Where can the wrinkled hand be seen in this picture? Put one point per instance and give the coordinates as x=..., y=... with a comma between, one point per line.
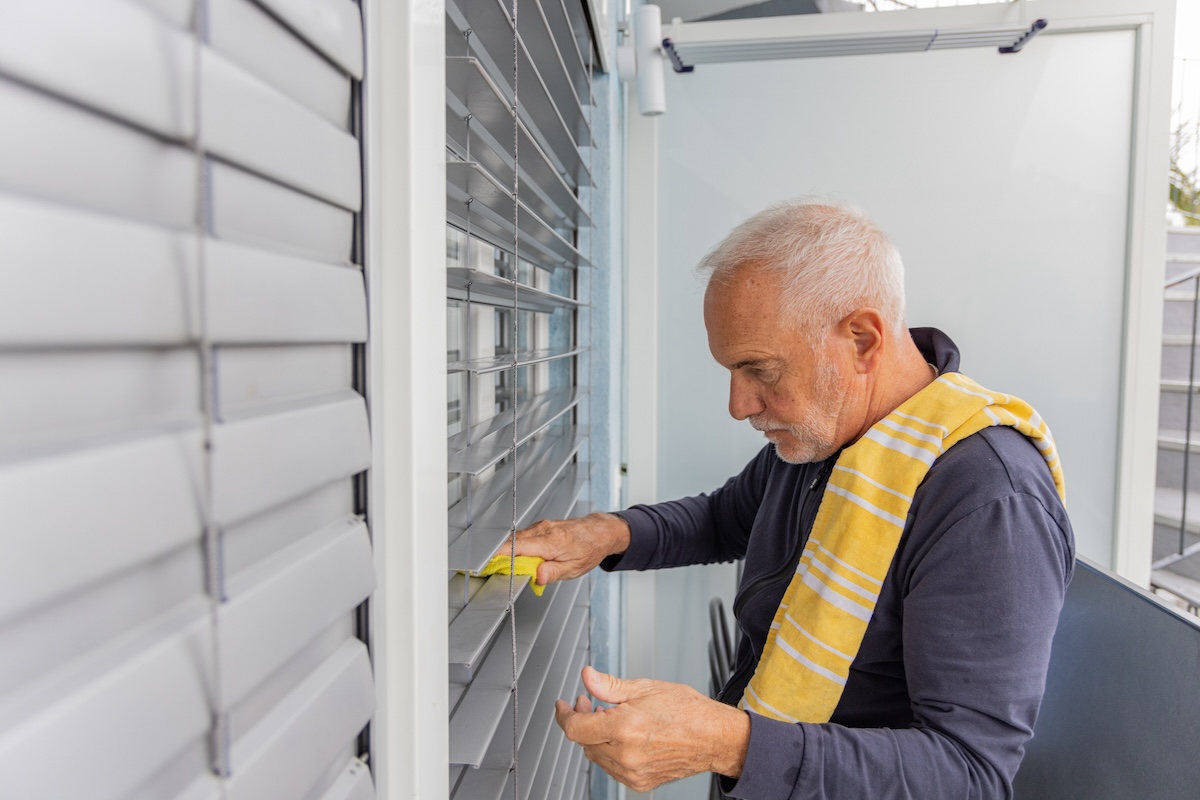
x=655, y=732
x=571, y=547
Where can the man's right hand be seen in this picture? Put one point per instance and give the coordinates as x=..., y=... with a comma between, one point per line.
x=571, y=547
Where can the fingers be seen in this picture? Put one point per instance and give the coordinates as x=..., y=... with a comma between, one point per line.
x=583, y=705
x=609, y=688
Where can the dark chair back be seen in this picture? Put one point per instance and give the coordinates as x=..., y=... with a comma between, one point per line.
x=1121, y=714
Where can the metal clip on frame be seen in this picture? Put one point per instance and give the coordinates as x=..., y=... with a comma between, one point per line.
x=676, y=62
x=1037, y=27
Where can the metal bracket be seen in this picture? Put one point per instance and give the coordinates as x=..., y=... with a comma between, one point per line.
x=676, y=62
x=1033, y=31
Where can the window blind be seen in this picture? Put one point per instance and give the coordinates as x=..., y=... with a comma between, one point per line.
x=181, y=426
x=519, y=143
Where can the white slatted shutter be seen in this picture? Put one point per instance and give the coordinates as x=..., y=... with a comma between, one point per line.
x=518, y=380
x=181, y=428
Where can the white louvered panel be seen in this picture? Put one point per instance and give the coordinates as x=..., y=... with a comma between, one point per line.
x=283, y=602
x=268, y=458
x=248, y=542
x=334, y=27
x=289, y=749
x=249, y=209
x=112, y=55
x=479, y=712
x=354, y=783
x=49, y=399
x=247, y=35
x=130, y=503
x=155, y=684
x=250, y=377
x=177, y=12
x=78, y=276
x=78, y=158
x=256, y=296
x=249, y=123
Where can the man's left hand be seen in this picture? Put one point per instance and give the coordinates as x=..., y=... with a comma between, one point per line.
x=655, y=731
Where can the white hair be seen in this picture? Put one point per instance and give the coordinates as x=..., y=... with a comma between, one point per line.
x=831, y=257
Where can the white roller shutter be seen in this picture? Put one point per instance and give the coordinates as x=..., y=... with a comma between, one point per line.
x=182, y=433
x=518, y=382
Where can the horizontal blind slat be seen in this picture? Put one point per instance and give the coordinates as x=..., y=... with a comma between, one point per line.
x=130, y=502
x=111, y=55
x=271, y=457
x=248, y=122
x=78, y=277
x=489, y=139
x=156, y=687
x=480, y=710
x=255, y=211
x=483, y=532
x=489, y=443
x=258, y=296
x=492, y=210
x=246, y=34
x=283, y=602
x=540, y=684
x=492, y=43
x=494, y=290
x=58, y=398
x=474, y=628
x=487, y=364
x=334, y=27
x=256, y=377
x=354, y=783
x=79, y=158
x=288, y=750
x=542, y=726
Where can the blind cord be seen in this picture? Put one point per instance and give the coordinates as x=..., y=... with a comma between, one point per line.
x=468, y=412
x=512, y=608
x=213, y=562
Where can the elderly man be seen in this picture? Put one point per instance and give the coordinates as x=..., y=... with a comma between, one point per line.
x=905, y=542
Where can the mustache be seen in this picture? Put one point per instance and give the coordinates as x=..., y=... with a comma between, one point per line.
x=765, y=425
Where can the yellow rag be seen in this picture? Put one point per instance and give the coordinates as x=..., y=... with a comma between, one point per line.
x=524, y=565
x=824, y=614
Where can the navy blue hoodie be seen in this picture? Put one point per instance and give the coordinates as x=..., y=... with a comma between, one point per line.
x=944, y=691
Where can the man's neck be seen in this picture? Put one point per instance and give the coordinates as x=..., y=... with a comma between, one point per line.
x=903, y=373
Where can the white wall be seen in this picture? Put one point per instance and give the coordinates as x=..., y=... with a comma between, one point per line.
x=1002, y=179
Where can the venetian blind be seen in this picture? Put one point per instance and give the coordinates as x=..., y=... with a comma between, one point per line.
x=519, y=143
x=181, y=431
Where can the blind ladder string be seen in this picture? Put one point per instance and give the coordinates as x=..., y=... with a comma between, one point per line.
x=591, y=293
x=468, y=412
x=213, y=562
x=512, y=555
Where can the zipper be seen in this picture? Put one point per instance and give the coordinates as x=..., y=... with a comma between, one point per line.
x=789, y=565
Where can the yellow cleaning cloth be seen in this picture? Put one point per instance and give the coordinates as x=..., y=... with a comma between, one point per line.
x=524, y=565
x=825, y=612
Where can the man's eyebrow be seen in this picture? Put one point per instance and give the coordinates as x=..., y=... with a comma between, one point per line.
x=753, y=362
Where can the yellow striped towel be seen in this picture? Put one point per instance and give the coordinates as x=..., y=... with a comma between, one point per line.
x=823, y=617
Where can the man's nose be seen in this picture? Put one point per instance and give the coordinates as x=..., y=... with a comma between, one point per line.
x=744, y=399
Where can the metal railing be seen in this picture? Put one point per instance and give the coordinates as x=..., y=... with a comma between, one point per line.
x=1184, y=550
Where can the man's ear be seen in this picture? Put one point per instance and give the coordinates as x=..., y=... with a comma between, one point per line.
x=864, y=327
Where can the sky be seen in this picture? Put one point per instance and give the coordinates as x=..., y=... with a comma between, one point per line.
x=1185, y=89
